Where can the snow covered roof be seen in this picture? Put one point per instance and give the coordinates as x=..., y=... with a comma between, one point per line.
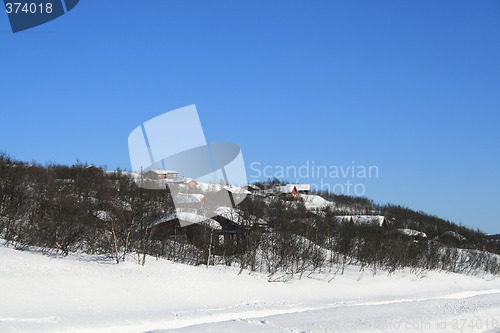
x=344, y=218
x=235, y=215
x=163, y=172
x=363, y=219
x=369, y=219
x=193, y=218
x=187, y=218
x=288, y=188
x=209, y=187
x=253, y=187
x=313, y=201
x=236, y=189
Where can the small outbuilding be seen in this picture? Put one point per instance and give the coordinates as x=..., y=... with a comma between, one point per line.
x=254, y=189
x=157, y=174
x=292, y=189
x=190, y=182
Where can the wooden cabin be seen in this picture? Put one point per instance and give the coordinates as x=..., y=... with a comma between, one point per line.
x=292, y=189
x=157, y=174
x=253, y=189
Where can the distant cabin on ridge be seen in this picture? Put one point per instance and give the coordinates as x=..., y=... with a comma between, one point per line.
x=253, y=189
x=190, y=182
x=157, y=174
x=291, y=189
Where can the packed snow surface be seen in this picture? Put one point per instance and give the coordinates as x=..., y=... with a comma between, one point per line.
x=89, y=293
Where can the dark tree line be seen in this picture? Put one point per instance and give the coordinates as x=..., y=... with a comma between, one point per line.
x=74, y=208
x=83, y=208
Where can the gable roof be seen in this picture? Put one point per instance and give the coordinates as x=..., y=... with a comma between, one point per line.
x=236, y=216
x=187, y=218
x=162, y=172
x=369, y=219
x=378, y=220
x=235, y=189
x=252, y=187
x=344, y=218
x=288, y=188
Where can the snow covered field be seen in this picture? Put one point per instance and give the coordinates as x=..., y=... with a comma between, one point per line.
x=82, y=293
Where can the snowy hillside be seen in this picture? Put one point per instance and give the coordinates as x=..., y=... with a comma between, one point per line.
x=278, y=263
x=85, y=293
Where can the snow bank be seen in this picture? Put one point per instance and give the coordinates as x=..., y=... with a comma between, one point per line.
x=192, y=218
x=236, y=189
x=84, y=293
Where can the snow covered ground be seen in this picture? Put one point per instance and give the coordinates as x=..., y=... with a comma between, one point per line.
x=82, y=293
x=313, y=201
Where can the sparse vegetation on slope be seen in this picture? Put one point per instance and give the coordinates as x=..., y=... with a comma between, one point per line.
x=82, y=208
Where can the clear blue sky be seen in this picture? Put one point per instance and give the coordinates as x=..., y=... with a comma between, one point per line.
x=412, y=87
